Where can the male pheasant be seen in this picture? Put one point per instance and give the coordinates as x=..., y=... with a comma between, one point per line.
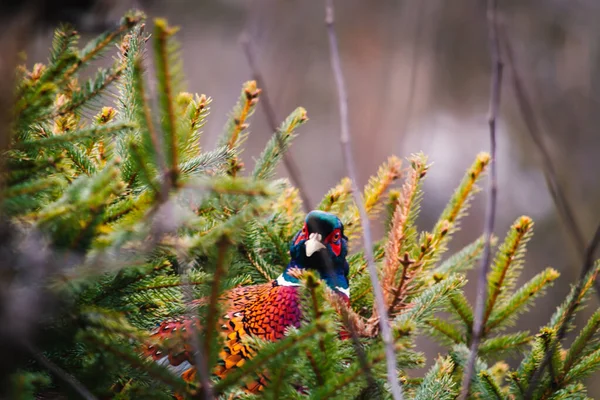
x=264, y=310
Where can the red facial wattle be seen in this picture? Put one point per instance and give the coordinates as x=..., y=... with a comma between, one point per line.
x=303, y=235
x=335, y=241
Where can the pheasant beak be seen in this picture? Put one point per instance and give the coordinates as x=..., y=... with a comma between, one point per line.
x=313, y=244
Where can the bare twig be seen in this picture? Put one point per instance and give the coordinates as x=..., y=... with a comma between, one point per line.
x=77, y=386
x=288, y=160
x=573, y=303
x=496, y=84
x=386, y=333
x=529, y=117
x=565, y=210
x=414, y=70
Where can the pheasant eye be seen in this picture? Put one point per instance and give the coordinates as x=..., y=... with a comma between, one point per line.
x=303, y=235
x=336, y=236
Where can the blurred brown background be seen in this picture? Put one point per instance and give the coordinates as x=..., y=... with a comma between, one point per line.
x=418, y=78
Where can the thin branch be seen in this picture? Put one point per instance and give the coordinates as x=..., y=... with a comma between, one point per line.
x=482, y=284
x=574, y=302
x=565, y=210
x=529, y=117
x=147, y=115
x=386, y=333
x=77, y=386
x=414, y=70
x=288, y=160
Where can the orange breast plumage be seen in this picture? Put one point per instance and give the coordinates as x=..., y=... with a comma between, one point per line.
x=264, y=311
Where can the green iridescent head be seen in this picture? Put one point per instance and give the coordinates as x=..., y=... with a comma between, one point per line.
x=321, y=245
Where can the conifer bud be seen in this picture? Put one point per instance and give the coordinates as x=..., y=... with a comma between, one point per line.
x=106, y=115
x=36, y=72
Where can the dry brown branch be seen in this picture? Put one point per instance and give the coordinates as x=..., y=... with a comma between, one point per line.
x=397, y=291
x=386, y=333
x=482, y=284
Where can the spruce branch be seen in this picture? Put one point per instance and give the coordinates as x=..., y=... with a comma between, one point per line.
x=373, y=191
x=432, y=299
x=31, y=187
x=446, y=331
x=584, y=342
x=268, y=353
x=83, y=163
x=490, y=388
x=402, y=220
x=505, y=269
x=155, y=370
x=482, y=284
x=584, y=367
x=192, y=111
x=278, y=145
x=354, y=372
x=354, y=324
x=587, y=278
x=165, y=65
x=144, y=116
x=144, y=174
x=81, y=135
x=201, y=353
x=234, y=132
x=211, y=315
x=77, y=386
x=269, y=110
x=386, y=334
x=65, y=39
x=516, y=303
x=95, y=47
x=94, y=88
x=460, y=200
x=438, y=383
x=337, y=197
x=209, y=162
x=435, y=244
x=462, y=260
x=463, y=309
x=505, y=343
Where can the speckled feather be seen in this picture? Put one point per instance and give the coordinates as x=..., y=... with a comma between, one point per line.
x=264, y=311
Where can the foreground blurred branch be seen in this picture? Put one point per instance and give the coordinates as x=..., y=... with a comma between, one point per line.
x=200, y=354
x=77, y=386
x=386, y=333
x=288, y=160
x=482, y=284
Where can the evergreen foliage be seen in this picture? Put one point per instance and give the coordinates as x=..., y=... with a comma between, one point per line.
x=151, y=226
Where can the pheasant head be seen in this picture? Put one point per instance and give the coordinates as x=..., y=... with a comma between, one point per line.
x=321, y=246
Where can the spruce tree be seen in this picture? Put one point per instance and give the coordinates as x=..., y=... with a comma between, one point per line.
x=133, y=222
